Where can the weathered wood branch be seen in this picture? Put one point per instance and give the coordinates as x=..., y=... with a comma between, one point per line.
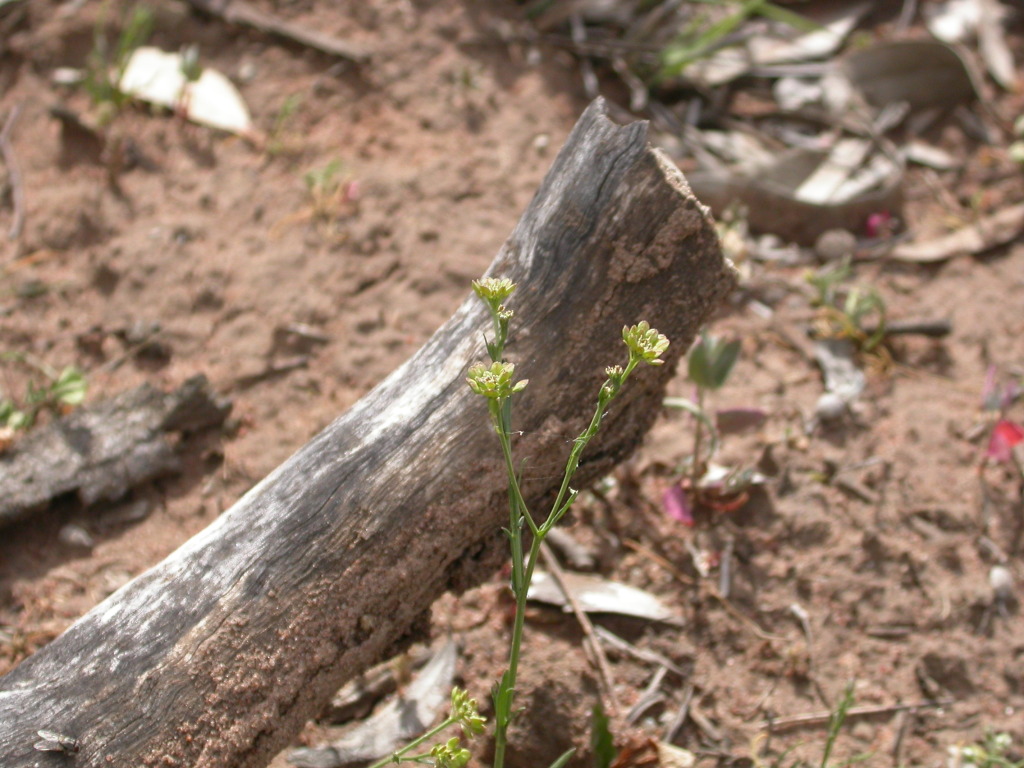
x=100, y=452
x=218, y=655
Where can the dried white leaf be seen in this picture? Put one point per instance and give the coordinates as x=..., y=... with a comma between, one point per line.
x=598, y=595
x=158, y=77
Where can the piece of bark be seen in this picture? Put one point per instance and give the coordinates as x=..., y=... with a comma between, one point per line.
x=100, y=452
x=217, y=656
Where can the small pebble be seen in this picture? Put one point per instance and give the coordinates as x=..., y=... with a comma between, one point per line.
x=835, y=244
x=830, y=407
x=1002, y=582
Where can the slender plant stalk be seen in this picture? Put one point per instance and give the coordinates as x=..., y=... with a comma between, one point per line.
x=697, y=470
x=495, y=382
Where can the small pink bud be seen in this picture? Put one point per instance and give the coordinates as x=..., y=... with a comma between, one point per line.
x=879, y=224
x=677, y=505
x=1005, y=435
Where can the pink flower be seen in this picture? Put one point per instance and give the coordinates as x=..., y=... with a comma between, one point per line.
x=1005, y=435
x=677, y=505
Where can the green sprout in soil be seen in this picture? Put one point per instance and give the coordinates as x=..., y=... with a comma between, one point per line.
x=496, y=382
x=277, y=140
x=328, y=192
x=106, y=62
x=63, y=391
x=332, y=196
x=836, y=721
x=835, y=725
x=709, y=365
x=992, y=752
x=602, y=744
x=856, y=313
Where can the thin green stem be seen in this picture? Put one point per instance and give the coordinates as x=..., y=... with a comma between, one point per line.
x=697, y=466
x=579, y=445
x=517, y=509
x=522, y=582
x=397, y=757
x=645, y=344
x=513, y=482
x=515, y=645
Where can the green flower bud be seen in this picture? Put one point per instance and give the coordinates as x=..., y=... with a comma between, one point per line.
x=494, y=382
x=493, y=290
x=464, y=710
x=449, y=754
x=645, y=343
x=610, y=388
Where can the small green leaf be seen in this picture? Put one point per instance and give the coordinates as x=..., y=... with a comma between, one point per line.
x=711, y=361
x=601, y=742
x=11, y=417
x=19, y=420
x=563, y=758
x=724, y=361
x=70, y=387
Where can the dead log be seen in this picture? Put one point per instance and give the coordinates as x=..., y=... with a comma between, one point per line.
x=100, y=452
x=218, y=655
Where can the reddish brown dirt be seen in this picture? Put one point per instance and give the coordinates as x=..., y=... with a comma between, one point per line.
x=214, y=242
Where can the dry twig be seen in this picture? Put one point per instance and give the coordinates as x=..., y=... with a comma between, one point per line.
x=820, y=718
x=673, y=728
x=651, y=657
x=13, y=174
x=591, y=642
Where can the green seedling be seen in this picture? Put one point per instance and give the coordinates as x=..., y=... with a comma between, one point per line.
x=857, y=313
x=332, y=196
x=327, y=191
x=835, y=725
x=497, y=384
x=992, y=752
x=276, y=141
x=106, y=62
x=191, y=69
x=709, y=365
x=64, y=391
x=836, y=721
x=602, y=745
x=703, y=36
